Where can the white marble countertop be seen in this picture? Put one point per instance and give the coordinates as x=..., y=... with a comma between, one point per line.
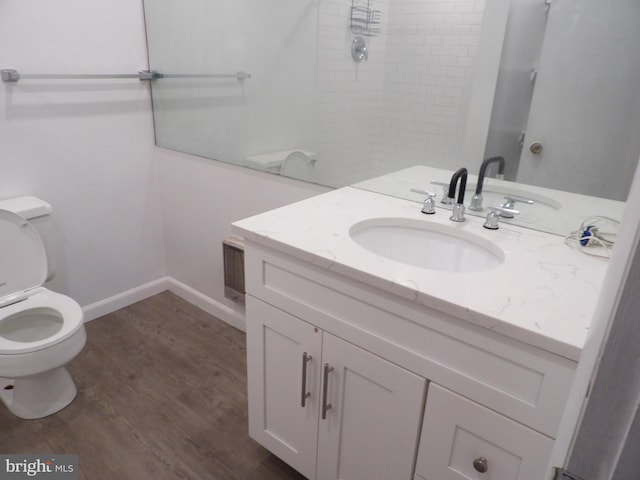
x=543, y=294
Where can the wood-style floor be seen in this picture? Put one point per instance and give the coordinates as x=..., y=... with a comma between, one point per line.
x=161, y=395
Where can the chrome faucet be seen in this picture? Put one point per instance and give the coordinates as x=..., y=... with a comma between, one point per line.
x=509, y=203
x=445, y=191
x=428, y=206
x=476, y=200
x=458, y=209
x=491, y=223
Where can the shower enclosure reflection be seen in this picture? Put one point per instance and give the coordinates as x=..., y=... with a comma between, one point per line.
x=423, y=96
x=407, y=103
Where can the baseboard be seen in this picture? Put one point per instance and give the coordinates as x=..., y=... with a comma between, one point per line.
x=103, y=307
x=232, y=317
x=121, y=300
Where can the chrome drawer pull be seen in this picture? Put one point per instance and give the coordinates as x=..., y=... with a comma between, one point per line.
x=303, y=398
x=325, y=407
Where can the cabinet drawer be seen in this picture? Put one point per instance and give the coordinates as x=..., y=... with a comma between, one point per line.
x=523, y=382
x=459, y=435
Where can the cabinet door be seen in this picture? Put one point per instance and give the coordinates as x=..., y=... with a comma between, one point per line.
x=276, y=343
x=462, y=440
x=371, y=430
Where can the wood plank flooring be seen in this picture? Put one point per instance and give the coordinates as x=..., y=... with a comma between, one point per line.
x=161, y=395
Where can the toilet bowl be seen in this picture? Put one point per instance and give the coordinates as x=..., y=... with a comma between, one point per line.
x=40, y=330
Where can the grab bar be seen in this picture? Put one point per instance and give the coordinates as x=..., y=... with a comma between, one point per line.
x=11, y=75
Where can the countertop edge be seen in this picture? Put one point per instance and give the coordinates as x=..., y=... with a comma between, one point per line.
x=538, y=340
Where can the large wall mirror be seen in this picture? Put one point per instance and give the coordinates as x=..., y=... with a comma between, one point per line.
x=336, y=92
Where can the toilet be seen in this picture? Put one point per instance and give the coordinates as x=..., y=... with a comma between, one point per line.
x=40, y=330
x=297, y=164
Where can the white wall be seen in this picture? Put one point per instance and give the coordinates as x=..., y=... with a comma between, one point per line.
x=84, y=146
x=88, y=148
x=229, y=119
x=431, y=65
x=592, y=99
x=409, y=102
x=348, y=105
x=201, y=198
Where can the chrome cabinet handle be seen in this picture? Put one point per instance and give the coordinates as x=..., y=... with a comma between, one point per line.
x=481, y=465
x=303, y=398
x=325, y=407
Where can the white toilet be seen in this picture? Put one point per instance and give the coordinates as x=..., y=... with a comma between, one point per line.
x=40, y=330
x=300, y=165
x=297, y=164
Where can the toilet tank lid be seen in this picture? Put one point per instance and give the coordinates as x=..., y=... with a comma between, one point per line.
x=27, y=206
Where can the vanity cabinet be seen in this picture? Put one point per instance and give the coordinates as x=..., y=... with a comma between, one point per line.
x=328, y=408
x=462, y=440
x=488, y=396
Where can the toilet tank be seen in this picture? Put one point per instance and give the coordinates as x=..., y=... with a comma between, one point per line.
x=38, y=213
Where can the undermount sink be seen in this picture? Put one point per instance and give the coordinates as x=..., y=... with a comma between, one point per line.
x=427, y=245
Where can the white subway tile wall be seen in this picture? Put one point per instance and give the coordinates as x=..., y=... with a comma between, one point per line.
x=409, y=101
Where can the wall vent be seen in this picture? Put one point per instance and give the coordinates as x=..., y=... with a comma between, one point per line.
x=233, y=255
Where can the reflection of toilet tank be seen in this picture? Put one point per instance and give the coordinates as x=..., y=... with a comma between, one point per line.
x=289, y=163
x=38, y=213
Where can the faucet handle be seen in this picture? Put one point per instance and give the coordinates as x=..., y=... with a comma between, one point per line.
x=445, y=192
x=510, y=201
x=491, y=222
x=518, y=198
x=424, y=192
x=428, y=206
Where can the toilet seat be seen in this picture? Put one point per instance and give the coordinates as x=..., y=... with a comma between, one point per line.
x=23, y=269
x=46, y=302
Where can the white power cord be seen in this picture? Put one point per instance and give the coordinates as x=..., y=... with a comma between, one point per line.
x=590, y=238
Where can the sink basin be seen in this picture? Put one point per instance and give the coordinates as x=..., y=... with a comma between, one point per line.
x=427, y=245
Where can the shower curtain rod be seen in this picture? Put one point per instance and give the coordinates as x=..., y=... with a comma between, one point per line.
x=10, y=75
